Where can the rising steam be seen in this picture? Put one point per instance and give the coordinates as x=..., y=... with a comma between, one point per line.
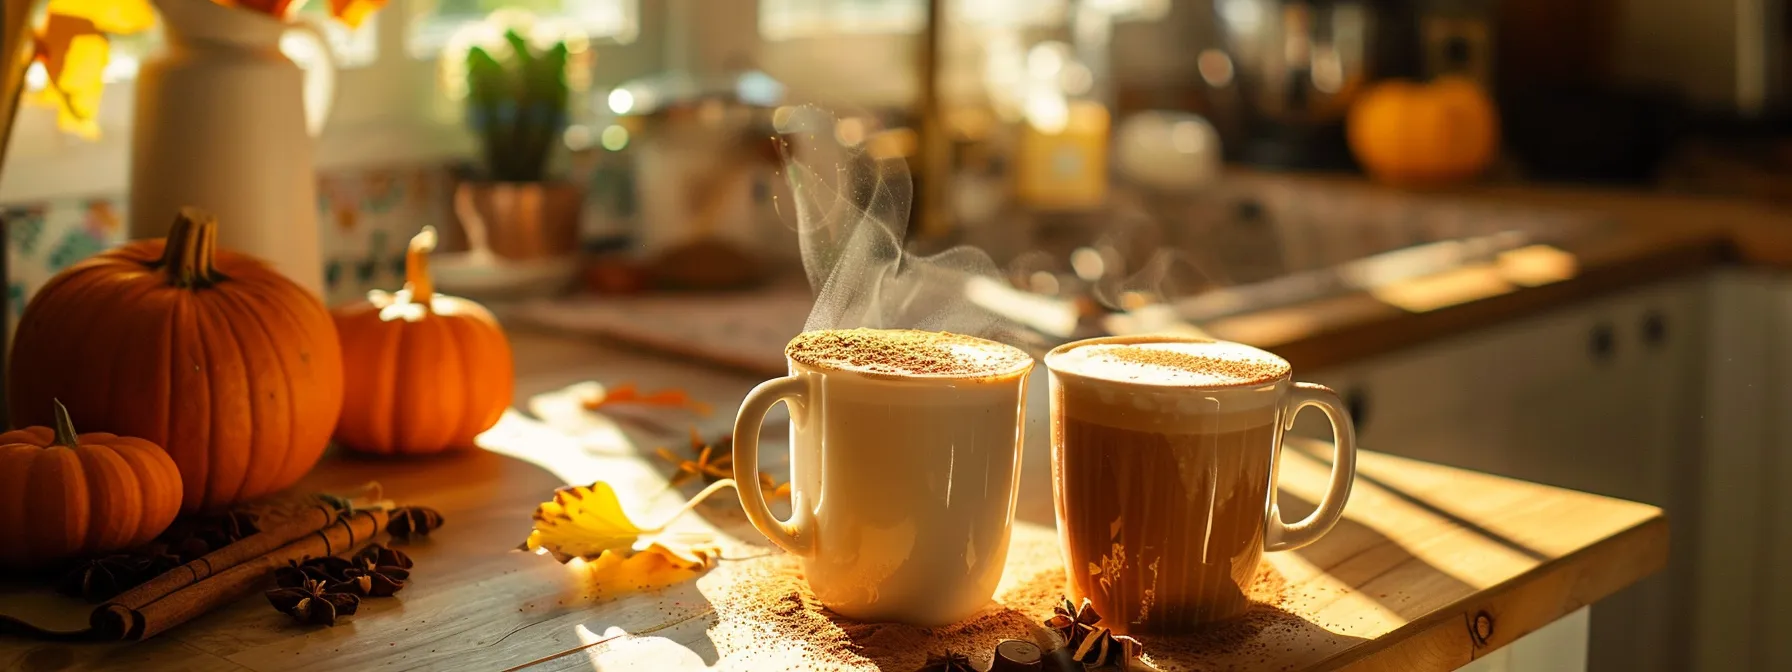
x=851, y=203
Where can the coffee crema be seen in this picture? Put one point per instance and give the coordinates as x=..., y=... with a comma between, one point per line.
x=1172, y=363
x=906, y=352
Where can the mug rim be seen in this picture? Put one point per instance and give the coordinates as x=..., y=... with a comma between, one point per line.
x=910, y=379
x=1029, y=362
x=1140, y=339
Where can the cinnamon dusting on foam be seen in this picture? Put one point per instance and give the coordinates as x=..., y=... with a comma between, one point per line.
x=1206, y=364
x=906, y=352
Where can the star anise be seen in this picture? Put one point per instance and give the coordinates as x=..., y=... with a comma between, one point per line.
x=311, y=604
x=192, y=538
x=1073, y=621
x=99, y=579
x=1101, y=646
x=378, y=556
x=296, y=574
x=949, y=662
x=370, y=583
x=713, y=460
x=406, y=522
x=376, y=571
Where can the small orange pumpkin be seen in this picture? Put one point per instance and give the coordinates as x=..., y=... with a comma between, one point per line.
x=64, y=494
x=426, y=372
x=214, y=355
x=1424, y=134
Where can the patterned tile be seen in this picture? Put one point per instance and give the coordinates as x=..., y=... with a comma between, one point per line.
x=362, y=210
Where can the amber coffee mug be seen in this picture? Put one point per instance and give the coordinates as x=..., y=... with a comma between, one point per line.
x=1164, y=455
x=905, y=454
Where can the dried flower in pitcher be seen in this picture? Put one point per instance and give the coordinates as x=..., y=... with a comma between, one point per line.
x=407, y=522
x=312, y=605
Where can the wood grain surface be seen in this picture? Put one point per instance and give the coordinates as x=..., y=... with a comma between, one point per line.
x=1424, y=552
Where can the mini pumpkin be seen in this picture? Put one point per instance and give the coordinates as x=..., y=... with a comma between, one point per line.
x=214, y=355
x=1431, y=134
x=65, y=495
x=426, y=372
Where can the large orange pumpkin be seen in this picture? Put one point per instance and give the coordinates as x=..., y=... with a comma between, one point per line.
x=426, y=372
x=64, y=495
x=1424, y=134
x=213, y=355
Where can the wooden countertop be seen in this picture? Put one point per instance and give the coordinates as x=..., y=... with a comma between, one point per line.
x=1646, y=237
x=1424, y=551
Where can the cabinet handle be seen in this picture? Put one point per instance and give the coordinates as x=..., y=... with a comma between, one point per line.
x=1655, y=328
x=1602, y=343
x=1356, y=402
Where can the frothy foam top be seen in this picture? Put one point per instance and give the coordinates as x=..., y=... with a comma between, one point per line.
x=1173, y=363
x=906, y=352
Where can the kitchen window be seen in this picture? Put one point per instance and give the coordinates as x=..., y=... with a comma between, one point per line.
x=389, y=108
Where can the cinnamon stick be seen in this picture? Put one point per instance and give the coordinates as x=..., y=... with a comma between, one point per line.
x=121, y=620
x=274, y=533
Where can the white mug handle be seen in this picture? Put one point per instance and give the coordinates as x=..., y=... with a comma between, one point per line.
x=796, y=535
x=1281, y=536
x=320, y=78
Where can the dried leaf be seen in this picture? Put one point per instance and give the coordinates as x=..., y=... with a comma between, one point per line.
x=627, y=394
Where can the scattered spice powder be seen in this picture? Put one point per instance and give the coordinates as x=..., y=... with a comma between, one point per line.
x=767, y=616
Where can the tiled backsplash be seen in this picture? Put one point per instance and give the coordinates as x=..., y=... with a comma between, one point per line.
x=367, y=214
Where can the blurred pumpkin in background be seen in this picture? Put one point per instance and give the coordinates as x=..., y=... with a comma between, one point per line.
x=1435, y=134
x=66, y=495
x=426, y=372
x=228, y=365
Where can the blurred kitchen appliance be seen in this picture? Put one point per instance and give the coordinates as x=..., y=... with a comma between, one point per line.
x=1285, y=75
x=1456, y=38
x=703, y=150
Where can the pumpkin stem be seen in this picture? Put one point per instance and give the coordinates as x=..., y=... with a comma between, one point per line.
x=416, y=267
x=188, y=252
x=65, y=428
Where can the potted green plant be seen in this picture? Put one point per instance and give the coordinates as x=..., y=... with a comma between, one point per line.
x=516, y=104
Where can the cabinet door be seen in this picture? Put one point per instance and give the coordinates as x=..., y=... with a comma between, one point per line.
x=1600, y=397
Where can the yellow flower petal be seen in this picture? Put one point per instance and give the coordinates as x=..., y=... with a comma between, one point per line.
x=118, y=17
x=353, y=12
x=74, y=55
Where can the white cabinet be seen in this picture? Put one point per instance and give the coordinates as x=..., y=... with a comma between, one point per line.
x=1602, y=396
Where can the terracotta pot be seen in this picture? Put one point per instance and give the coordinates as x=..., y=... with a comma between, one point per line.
x=517, y=221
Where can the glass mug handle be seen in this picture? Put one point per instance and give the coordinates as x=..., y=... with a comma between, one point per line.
x=795, y=535
x=1281, y=536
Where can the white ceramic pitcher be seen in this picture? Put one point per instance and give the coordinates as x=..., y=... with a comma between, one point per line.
x=224, y=121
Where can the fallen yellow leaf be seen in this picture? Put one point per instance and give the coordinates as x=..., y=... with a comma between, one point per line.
x=585, y=522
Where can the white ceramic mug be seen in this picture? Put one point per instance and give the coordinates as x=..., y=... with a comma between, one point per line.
x=902, y=486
